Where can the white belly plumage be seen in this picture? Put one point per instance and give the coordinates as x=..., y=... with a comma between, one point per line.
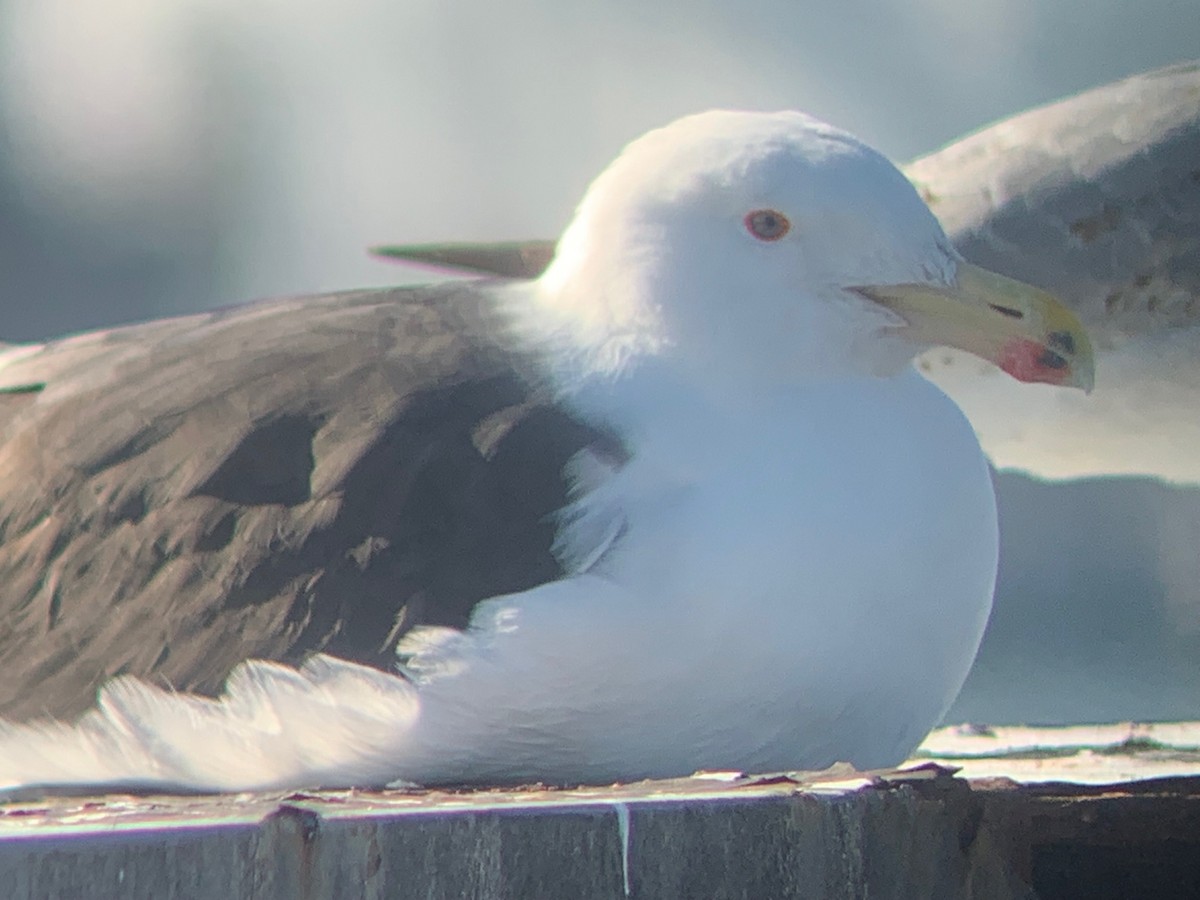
x=752, y=617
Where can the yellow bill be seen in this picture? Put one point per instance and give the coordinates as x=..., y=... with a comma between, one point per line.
x=1024, y=330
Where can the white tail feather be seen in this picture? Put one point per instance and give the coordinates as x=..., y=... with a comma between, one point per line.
x=330, y=723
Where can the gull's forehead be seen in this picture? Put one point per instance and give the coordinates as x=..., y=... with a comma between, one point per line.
x=788, y=155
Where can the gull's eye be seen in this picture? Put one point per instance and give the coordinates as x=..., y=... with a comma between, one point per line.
x=767, y=224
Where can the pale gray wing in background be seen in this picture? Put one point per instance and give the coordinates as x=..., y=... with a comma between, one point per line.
x=1096, y=198
x=1097, y=613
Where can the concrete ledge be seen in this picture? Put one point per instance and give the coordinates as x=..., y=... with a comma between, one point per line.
x=898, y=836
x=919, y=834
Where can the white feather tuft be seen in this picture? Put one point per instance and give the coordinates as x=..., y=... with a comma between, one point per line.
x=328, y=723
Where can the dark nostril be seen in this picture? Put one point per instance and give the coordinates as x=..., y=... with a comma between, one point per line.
x=1007, y=311
x=1063, y=340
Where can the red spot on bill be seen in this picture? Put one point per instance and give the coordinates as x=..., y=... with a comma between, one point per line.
x=1030, y=361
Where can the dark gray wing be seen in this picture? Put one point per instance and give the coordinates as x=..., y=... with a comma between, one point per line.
x=317, y=474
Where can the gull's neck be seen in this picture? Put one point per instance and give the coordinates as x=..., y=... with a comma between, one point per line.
x=613, y=356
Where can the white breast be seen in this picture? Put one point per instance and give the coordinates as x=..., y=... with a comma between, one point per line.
x=753, y=615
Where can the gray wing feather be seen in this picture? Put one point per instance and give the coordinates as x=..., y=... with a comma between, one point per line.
x=317, y=474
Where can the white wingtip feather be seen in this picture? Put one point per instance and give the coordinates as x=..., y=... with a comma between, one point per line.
x=330, y=723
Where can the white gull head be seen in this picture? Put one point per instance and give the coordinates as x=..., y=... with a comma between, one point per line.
x=663, y=255
x=664, y=258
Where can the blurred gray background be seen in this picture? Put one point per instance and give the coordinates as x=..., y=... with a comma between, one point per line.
x=162, y=157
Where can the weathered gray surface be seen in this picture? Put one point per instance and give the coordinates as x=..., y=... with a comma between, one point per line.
x=267, y=482
x=921, y=838
x=892, y=836
x=919, y=835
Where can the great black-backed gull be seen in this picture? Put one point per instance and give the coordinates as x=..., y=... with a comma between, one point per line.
x=682, y=502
